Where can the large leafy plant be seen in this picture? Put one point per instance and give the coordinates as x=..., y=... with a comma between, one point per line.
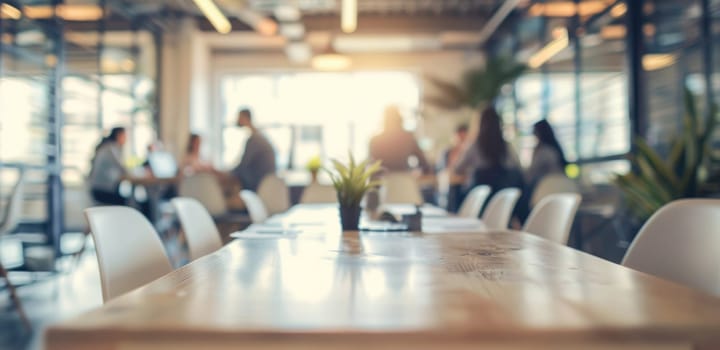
x=353, y=180
x=479, y=87
x=656, y=180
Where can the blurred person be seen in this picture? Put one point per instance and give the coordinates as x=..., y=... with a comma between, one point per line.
x=107, y=169
x=452, y=154
x=192, y=162
x=395, y=146
x=548, y=156
x=490, y=160
x=258, y=160
x=449, y=186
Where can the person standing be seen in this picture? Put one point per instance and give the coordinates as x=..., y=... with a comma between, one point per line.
x=452, y=154
x=258, y=160
x=395, y=146
x=548, y=156
x=490, y=160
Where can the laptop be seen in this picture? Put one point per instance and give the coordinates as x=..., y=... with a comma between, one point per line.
x=162, y=164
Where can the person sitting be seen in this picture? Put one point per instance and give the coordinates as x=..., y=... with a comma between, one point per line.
x=107, y=169
x=192, y=161
x=490, y=160
x=395, y=146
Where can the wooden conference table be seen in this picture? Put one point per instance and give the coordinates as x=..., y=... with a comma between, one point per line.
x=321, y=289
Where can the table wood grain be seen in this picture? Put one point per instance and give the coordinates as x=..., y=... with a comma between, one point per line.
x=324, y=289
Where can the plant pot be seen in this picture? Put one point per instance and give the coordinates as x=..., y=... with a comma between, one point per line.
x=349, y=217
x=313, y=176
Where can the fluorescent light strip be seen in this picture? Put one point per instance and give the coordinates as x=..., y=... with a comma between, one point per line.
x=550, y=50
x=9, y=11
x=653, y=62
x=349, y=16
x=214, y=15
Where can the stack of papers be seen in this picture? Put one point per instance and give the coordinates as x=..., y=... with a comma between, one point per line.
x=265, y=231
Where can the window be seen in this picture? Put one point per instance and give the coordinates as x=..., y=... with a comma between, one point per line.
x=313, y=114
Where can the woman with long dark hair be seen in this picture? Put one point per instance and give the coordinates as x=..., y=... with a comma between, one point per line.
x=490, y=160
x=107, y=169
x=548, y=156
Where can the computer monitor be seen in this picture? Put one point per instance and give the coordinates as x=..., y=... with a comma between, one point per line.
x=162, y=164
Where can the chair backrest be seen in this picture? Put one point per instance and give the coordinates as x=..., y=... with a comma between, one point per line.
x=473, y=203
x=129, y=251
x=499, y=210
x=400, y=188
x=14, y=206
x=206, y=189
x=681, y=243
x=553, y=216
x=255, y=206
x=552, y=184
x=318, y=194
x=275, y=195
x=200, y=231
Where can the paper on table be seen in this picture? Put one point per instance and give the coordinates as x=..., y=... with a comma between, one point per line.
x=256, y=235
x=262, y=231
x=452, y=224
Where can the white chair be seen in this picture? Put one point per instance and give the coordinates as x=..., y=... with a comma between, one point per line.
x=552, y=184
x=473, y=203
x=12, y=214
x=400, y=188
x=318, y=194
x=205, y=188
x=553, y=216
x=129, y=251
x=255, y=207
x=200, y=231
x=681, y=243
x=499, y=210
x=274, y=193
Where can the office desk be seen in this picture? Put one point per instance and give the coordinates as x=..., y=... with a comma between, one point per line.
x=327, y=290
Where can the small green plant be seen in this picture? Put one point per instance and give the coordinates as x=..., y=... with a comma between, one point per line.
x=656, y=180
x=353, y=180
x=314, y=164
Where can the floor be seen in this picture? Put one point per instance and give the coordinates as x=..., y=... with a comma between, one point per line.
x=49, y=298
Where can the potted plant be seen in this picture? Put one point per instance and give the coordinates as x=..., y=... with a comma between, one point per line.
x=656, y=180
x=313, y=166
x=479, y=88
x=351, y=182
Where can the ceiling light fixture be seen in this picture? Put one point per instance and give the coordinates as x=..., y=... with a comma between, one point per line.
x=68, y=12
x=618, y=10
x=331, y=60
x=567, y=8
x=9, y=11
x=613, y=32
x=349, y=16
x=214, y=15
x=550, y=50
x=656, y=61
